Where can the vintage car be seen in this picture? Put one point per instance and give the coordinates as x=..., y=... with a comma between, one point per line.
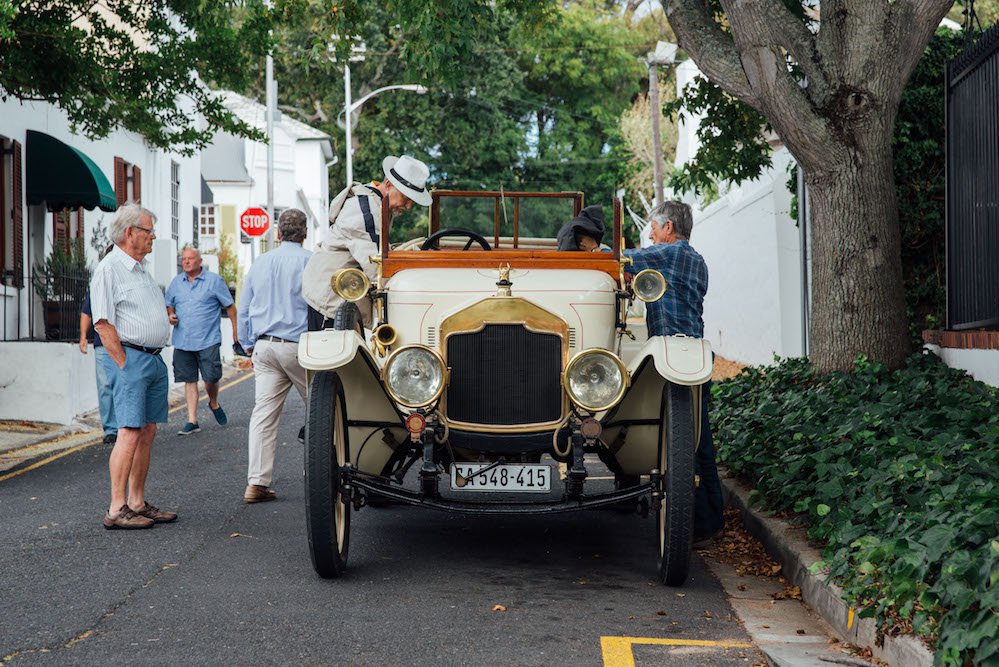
x=495, y=368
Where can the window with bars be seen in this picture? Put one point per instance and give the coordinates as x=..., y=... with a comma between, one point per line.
x=208, y=216
x=175, y=201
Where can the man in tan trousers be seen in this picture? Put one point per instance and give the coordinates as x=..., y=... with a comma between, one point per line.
x=272, y=316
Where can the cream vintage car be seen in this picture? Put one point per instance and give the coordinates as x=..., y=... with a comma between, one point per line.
x=495, y=359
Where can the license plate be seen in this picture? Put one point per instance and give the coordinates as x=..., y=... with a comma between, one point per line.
x=509, y=477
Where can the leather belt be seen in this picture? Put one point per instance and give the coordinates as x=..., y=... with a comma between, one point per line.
x=275, y=339
x=141, y=348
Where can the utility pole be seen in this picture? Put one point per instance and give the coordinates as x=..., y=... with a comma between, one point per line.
x=346, y=127
x=665, y=54
x=271, y=94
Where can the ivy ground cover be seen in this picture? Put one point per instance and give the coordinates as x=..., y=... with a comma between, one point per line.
x=894, y=474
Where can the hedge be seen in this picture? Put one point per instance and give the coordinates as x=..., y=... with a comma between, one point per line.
x=894, y=474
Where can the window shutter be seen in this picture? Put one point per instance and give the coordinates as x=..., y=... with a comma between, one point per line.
x=17, y=217
x=137, y=185
x=120, y=181
x=60, y=228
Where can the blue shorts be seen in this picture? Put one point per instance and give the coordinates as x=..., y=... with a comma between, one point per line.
x=139, y=390
x=186, y=365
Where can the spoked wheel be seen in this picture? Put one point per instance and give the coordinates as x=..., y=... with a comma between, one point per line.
x=327, y=516
x=675, y=518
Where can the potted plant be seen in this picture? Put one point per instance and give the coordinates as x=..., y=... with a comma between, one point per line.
x=61, y=281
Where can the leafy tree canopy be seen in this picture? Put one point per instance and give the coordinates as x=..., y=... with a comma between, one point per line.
x=140, y=65
x=523, y=105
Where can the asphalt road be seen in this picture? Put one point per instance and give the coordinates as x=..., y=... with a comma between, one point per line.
x=232, y=583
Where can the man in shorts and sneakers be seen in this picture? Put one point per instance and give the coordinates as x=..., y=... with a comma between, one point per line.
x=130, y=315
x=193, y=303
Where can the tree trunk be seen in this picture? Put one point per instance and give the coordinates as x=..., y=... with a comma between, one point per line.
x=859, y=300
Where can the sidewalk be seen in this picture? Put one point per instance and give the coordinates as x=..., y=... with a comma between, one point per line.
x=789, y=547
x=23, y=442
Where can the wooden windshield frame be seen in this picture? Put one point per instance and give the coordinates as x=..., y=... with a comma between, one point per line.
x=607, y=262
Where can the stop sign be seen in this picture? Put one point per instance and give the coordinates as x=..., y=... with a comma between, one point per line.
x=254, y=221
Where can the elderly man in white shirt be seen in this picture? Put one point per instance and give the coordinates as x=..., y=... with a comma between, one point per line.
x=130, y=315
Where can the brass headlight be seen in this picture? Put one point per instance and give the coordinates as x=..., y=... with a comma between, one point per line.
x=649, y=285
x=414, y=376
x=350, y=284
x=595, y=380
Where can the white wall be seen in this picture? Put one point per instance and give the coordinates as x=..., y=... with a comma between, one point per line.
x=753, y=308
x=983, y=365
x=46, y=382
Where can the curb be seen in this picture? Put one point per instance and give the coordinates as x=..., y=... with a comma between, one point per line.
x=788, y=545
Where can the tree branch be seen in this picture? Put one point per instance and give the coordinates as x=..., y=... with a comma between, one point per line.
x=709, y=47
x=775, y=25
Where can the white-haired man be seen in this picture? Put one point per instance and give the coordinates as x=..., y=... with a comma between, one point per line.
x=130, y=315
x=680, y=311
x=355, y=226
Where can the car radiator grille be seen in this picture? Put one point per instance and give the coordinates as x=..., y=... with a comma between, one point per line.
x=504, y=375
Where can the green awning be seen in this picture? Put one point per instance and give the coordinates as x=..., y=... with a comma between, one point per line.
x=60, y=176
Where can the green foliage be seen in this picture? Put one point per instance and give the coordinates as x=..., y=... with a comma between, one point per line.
x=919, y=165
x=129, y=64
x=733, y=147
x=522, y=106
x=228, y=260
x=64, y=275
x=894, y=472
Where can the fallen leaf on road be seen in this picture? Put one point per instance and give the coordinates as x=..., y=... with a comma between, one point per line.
x=800, y=632
x=582, y=582
x=239, y=535
x=661, y=612
x=681, y=595
x=707, y=614
x=498, y=607
x=741, y=587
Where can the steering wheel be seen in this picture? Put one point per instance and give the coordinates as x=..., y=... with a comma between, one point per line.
x=432, y=242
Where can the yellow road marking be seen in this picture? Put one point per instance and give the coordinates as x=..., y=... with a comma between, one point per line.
x=67, y=452
x=617, y=651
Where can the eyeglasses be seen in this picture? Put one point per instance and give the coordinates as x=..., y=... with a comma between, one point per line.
x=150, y=231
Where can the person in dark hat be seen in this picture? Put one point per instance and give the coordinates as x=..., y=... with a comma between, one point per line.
x=584, y=232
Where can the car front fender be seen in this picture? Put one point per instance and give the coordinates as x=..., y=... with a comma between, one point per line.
x=368, y=405
x=631, y=429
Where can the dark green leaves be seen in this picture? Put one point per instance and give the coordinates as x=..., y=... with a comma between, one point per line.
x=895, y=473
x=140, y=70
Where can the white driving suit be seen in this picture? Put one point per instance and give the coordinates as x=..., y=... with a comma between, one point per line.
x=352, y=238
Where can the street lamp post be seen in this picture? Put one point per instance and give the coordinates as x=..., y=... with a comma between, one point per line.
x=349, y=107
x=665, y=54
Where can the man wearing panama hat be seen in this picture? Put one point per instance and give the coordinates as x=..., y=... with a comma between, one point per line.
x=353, y=236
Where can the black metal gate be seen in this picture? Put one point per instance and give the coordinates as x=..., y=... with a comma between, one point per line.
x=973, y=185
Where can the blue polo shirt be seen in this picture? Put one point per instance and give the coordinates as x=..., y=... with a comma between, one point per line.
x=198, y=304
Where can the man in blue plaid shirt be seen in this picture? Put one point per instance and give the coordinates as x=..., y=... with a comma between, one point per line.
x=679, y=311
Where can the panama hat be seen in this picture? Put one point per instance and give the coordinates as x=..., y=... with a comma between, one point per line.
x=409, y=176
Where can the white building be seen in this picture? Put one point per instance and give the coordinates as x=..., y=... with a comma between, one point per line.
x=236, y=171
x=753, y=248
x=47, y=176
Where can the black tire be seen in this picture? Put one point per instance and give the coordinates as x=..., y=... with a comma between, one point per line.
x=347, y=317
x=675, y=518
x=327, y=516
